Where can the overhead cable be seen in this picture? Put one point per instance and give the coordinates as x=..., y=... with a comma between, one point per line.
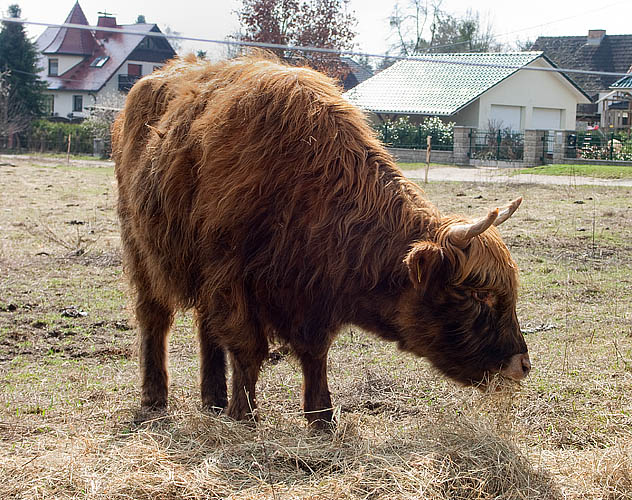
x=322, y=50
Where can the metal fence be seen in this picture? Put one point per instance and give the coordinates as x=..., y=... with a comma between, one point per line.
x=597, y=145
x=548, y=147
x=504, y=145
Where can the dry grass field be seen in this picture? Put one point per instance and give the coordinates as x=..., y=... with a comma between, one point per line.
x=69, y=396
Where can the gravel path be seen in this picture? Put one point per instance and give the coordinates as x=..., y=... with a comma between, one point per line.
x=505, y=176
x=443, y=173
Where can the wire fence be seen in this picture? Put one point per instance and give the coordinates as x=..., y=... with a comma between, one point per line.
x=74, y=143
x=504, y=145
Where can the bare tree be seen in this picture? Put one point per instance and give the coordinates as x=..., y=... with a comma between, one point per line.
x=14, y=118
x=410, y=24
x=422, y=26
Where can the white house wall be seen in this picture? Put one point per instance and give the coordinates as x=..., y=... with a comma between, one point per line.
x=468, y=116
x=108, y=96
x=63, y=100
x=64, y=62
x=548, y=91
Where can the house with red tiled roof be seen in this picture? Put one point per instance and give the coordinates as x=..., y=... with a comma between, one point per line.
x=88, y=68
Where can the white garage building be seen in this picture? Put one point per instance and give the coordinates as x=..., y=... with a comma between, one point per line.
x=474, y=90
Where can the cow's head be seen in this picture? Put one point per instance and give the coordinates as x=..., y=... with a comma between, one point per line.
x=460, y=312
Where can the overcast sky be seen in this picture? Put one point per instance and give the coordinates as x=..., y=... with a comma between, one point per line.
x=215, y=19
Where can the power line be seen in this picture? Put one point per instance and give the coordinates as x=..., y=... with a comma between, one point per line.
x=562, y=19
x=321, y=50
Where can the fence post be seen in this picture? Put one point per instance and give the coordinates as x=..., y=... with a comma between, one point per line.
x=428, y=150
x=533, y=147
x=498, y=141
x=461, y=147
x=611, y=144
x=559, y=146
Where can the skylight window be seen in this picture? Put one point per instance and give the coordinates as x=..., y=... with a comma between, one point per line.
x=99, y=62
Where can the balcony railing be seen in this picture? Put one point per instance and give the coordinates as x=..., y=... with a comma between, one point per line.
x=125, y=82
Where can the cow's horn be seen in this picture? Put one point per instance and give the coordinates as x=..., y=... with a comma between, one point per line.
x=508, y=211
x=460, y=233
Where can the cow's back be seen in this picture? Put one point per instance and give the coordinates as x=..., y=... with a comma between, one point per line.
x=251, y=175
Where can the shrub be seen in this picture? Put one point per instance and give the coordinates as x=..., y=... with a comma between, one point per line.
x=46, y=136
x=402, y=133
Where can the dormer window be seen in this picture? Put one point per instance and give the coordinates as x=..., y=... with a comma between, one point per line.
x=53, y=67
x=99, y=62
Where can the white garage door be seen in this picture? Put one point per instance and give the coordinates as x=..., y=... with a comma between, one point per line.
x=506, y=116
x=547, y=119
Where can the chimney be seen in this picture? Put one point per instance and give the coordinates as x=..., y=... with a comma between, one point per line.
x=595, y=37
x=106, y=21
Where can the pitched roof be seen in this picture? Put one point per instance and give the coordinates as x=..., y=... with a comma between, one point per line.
x=613, y=53
x=118, y=47
x=441, y=84
x=357, y=73
x=72, y=41
x=623, y=83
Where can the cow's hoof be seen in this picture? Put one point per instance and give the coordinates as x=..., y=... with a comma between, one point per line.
x=213, y=409
x=322, y=426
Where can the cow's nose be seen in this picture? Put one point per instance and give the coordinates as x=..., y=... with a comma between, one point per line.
x=518, y=367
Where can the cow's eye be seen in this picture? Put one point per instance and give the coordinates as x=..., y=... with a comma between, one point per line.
x=483, y=296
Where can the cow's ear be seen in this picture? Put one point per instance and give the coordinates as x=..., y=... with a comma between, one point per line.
x=423, y=260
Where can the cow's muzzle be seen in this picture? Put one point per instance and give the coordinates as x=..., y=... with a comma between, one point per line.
x=518, y=367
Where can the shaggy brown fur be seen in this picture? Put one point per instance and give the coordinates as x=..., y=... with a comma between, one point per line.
x=254, y=193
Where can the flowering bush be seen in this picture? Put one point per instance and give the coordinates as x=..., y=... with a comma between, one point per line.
x=404, y=134
x=618, y=148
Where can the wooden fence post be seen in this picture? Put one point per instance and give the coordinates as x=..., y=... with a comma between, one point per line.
x=428, y=149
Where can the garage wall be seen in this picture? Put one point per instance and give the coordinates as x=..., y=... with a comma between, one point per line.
x=547, y=118
x=546, y=100
x=504, y=116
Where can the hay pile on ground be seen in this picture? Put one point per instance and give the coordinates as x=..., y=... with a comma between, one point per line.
x=452, y=452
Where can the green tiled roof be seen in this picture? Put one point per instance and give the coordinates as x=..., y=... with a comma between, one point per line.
x=623, y=83
x=440, y=84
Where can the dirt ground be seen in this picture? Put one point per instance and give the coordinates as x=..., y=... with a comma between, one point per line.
x=69, y=398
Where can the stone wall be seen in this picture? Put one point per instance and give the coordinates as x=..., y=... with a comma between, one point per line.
x=534, y=152
x=419, y=156
x=533, y=148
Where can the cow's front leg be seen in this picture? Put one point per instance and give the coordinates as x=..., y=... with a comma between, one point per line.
x=316, y=397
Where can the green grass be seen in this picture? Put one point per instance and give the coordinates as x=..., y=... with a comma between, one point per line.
x=599, y=171
x=69, y=387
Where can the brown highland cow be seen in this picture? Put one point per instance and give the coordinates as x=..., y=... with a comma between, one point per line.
x=254, y=193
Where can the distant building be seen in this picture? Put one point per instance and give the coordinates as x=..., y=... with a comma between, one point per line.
x=87, y=68
x=616, y=106
x=474, y=90
x=596, y=51
x=354, y=73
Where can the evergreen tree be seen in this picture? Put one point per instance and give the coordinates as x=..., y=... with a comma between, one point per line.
x=18, y=61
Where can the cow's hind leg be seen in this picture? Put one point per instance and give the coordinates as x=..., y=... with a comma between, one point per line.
x=212, y=366
x=246, y=359
x=154, y=320
x=316, y=397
